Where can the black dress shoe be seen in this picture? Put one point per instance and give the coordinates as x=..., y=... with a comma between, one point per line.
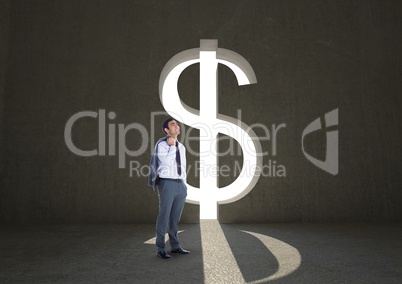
x=180, y=250
x=163, y=254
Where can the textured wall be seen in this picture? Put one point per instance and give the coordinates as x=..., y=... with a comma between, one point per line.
x=309, y=57
x=4, y=35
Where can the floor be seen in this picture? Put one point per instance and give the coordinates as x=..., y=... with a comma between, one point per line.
x=220, y=253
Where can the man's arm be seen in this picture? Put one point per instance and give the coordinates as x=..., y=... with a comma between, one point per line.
x=166, y=154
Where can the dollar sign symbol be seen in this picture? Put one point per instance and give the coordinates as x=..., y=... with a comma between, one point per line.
x=210, y=123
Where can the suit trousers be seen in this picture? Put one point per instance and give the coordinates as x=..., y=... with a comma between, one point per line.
x=172, y=196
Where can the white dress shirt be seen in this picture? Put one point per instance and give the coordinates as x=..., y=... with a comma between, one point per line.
x=167, y=161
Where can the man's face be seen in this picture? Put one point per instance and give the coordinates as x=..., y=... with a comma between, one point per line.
x=174, y=128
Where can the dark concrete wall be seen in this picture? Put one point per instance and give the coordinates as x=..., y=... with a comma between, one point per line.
x=310, y=57
x=4, y=36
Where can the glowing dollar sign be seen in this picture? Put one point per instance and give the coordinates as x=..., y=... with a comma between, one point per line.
x=210, y=123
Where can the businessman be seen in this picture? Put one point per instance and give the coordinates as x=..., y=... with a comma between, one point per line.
x=168, y=175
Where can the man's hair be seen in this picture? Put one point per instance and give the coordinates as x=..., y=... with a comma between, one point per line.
x=166, y=124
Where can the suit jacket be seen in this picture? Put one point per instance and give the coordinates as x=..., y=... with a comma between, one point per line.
x=154, y=164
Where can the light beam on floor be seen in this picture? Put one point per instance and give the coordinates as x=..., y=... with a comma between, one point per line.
x=220, y=265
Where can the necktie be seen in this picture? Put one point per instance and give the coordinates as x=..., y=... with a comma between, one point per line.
x=178, y=159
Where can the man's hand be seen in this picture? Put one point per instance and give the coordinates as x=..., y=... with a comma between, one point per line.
x=171, y=141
